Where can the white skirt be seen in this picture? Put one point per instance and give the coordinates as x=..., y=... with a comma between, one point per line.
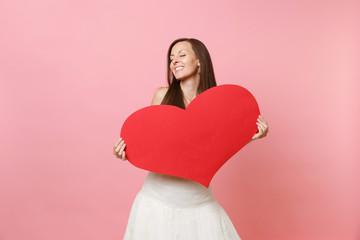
x=169, y=207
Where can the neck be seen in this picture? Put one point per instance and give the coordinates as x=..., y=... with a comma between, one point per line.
x=190, y=85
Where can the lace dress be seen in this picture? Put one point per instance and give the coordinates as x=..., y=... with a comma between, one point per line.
x=169, y=207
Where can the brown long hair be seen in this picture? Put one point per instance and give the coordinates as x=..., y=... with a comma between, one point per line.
x=174, y=95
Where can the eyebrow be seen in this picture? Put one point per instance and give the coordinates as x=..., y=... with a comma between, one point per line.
x=178, y=52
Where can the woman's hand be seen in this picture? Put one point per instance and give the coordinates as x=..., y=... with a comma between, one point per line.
x=119, y=149
x=263, y=128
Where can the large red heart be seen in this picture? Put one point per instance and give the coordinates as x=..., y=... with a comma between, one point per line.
x=193, y=143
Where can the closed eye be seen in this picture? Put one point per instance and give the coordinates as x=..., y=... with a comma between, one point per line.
x=180, y=56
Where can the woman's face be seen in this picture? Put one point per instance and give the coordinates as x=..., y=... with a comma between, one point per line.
x=183, y=61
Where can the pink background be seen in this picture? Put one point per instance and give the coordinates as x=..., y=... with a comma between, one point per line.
x=72, y=71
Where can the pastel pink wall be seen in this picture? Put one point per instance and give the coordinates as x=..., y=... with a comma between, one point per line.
x=72, y=71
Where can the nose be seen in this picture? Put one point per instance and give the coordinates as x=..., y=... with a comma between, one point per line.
x=175, y=60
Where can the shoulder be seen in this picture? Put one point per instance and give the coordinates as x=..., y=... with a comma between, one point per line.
x=159, y=95
x=162, y=91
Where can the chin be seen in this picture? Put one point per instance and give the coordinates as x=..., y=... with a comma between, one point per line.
x=178, y=78
x=181, y=77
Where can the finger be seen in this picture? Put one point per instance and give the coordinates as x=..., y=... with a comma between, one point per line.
x=118, y=141
x=266, y=127
x=120, y=145
x=257, y=134
x=114, y=152
x=262, y=120
x=116, y=148
x=261, y=130
x=262, y=127
x=123, y=156
x=122, y=149
x=265, y=123
x=267, y=131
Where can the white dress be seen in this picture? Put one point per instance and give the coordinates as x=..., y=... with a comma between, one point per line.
x=174, y=208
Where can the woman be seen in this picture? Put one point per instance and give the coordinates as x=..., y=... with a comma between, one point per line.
x=169, y=207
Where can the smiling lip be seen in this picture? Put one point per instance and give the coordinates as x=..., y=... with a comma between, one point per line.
x=179, y=69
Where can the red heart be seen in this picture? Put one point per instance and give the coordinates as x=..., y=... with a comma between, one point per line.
x=192, y=143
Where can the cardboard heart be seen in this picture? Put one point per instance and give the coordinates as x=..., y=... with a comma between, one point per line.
x=193, y=143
